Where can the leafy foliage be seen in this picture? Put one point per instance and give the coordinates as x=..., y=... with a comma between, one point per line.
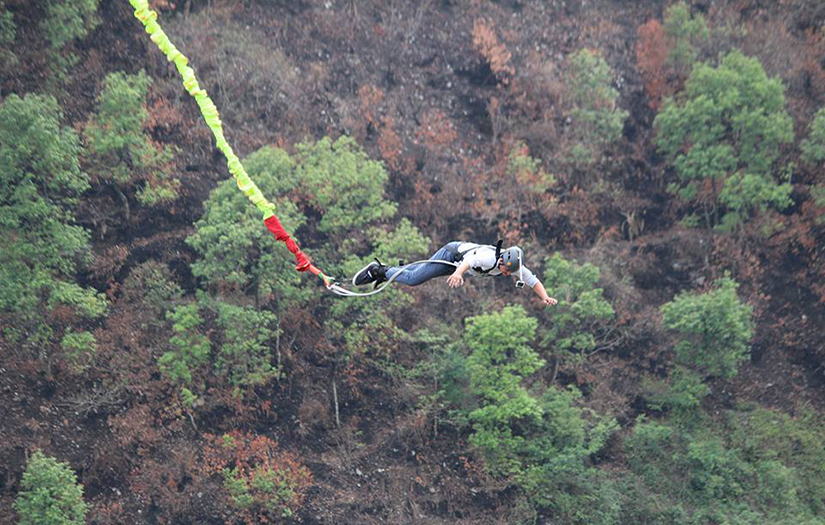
x=768, y=470
x=262, y=482
x=190, y=349
x=49, y=494
x=236, y=346
x=500, y=359
x=714, y=327
x=39, y=185
x=66, y=21
x=596, y=121
x=342, y=184
x=723, y=136
x=527, y=170
x=8, y=31
x=813, y=147
x=236, y=251
x=119, y=148
x=540, y=442
x=685, y=32
x=573, y=323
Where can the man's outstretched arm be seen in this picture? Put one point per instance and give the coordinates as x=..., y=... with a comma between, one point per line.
x=542, y=293
x=457, y=278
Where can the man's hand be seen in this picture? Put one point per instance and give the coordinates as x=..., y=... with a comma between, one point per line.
x=549, y=301
x=455, y=280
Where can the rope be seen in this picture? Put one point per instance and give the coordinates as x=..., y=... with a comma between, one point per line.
x=343, y=292
x=210, y=114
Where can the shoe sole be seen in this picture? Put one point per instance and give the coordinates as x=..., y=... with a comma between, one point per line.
x=359, y=272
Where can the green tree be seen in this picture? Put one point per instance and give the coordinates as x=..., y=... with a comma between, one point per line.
x=236, y=252
x=500, y=359
x=595, y=119
x=685, y=32
x=722, y=135
x=40, y=182
x=813, y=147
x=120, y=151
x=342, y=184
x=49, y=494
x=575, y=322
x=236, y=346
x=8, y=31
x=527, y=170
x=189, y=348
x=714, y=329
x=540, y=442
x=67, y=21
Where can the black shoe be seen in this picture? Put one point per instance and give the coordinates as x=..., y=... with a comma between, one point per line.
x=374, y=272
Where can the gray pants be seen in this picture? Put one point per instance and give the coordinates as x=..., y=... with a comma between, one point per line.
x=421, y=273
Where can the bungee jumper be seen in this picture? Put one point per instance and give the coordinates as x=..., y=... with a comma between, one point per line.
x=455, y=259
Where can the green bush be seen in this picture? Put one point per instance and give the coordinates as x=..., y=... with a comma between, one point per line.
x=67, y=21
x=236, y=251
x=596, y=121
x=813, y=147
x=49, y=494
x=574, y=323
x=40, y=183
x=752, y=466
x=527, y=170
x=686, y=32
x=342, y=184
x=500, y=359
x=236, y=348
x=541, y=443
x=8, y=32
x=714, y=329
x=723, y=136
x=120, y=151
x=189, y=348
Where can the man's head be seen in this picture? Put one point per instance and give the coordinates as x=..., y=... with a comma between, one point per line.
x=510, y=260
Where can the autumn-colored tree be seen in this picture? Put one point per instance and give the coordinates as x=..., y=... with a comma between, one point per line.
x=494, y=52
x=665, y=53
x=262, y=482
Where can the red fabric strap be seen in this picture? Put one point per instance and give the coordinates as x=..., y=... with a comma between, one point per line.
x=303, y=262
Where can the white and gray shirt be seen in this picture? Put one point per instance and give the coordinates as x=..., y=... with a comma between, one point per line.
x=484, y=256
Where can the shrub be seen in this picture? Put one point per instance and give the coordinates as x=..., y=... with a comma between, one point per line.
x=343, y=184
x=49, y=494
x=684, y=32
x=66, y=21
x=574, y=323
x=813, y=147
x=189, y=348
x=120, y=151
x=540, y=443
x=595, y=120
x=528, y=171
x=723, y=135
x=239, y=337
x=262, y=482
x=42, y=249
x=714, y=329
x=236, y=252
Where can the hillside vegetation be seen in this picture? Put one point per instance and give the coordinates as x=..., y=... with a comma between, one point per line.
x=661, y=163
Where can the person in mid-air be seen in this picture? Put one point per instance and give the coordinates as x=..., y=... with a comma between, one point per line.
x=462, y=257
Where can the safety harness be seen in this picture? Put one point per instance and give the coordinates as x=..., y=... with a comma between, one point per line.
x=459, y=256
